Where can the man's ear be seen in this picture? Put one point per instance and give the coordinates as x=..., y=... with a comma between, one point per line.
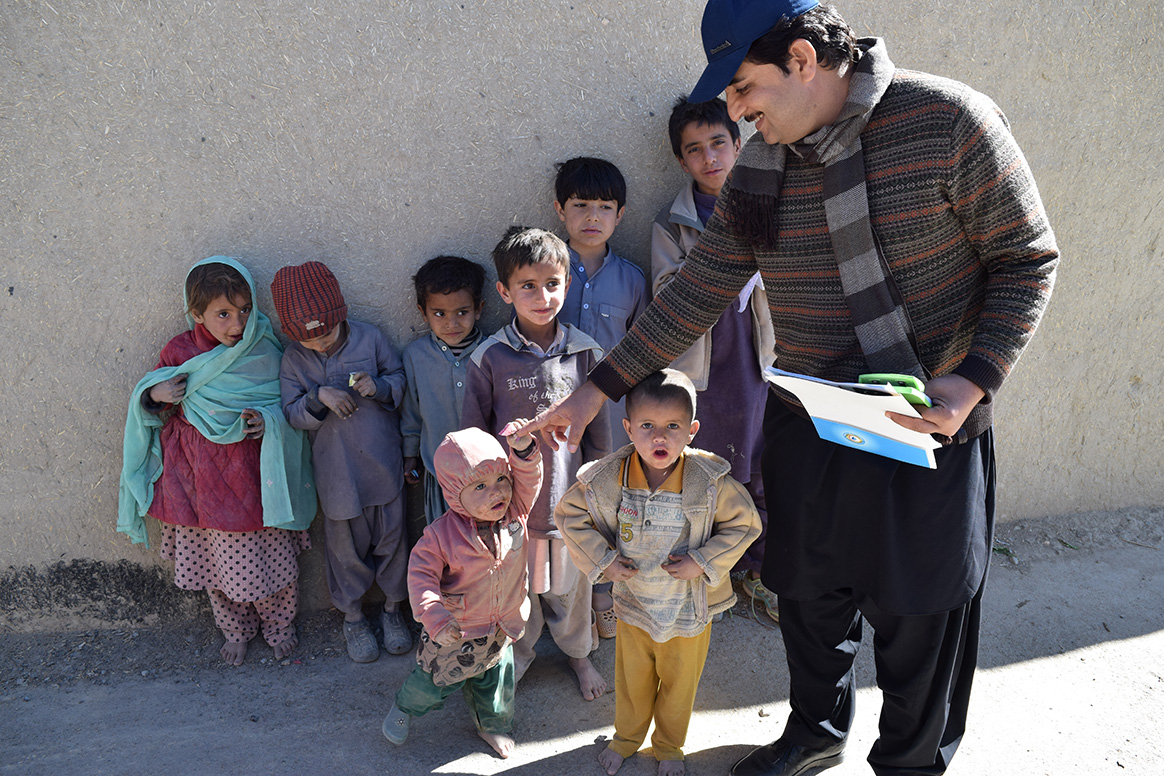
x=802, y=60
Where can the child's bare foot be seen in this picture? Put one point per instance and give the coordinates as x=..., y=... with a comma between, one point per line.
x=233, y=652
x=610, y=761
x=501, y=743
x=286, y=646
x=672, y=768
x=590, y=682
x=600, y=602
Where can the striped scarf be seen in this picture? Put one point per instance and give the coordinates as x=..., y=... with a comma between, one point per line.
x=879, y=317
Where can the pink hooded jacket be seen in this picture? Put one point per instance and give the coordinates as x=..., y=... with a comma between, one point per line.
x=452, y=574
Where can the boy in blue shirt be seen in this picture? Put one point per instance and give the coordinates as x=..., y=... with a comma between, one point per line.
x=606, y=291
x=449, y=295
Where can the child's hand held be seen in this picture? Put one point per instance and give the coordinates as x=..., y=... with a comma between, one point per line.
x=448, y=635
x=622, y=569
x=411, y=470
x=682, y=567
x=515, y=434
x=363, y=383
x=254, y=423
x=171, y=391
x=339, y=402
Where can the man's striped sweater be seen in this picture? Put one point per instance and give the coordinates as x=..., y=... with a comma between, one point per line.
x=958, y=218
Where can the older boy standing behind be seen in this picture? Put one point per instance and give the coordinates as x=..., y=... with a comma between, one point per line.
x=666, y=523
x=606, y=291
x=521, y=370
x=449, y=296
x=342, y=383
x=726, y=364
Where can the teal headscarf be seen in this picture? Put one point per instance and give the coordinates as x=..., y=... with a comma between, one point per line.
x=220, y=384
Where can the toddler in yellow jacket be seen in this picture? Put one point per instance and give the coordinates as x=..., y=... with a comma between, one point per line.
x=665, y=522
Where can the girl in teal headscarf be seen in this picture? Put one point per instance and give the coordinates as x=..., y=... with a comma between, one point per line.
x=209, y=454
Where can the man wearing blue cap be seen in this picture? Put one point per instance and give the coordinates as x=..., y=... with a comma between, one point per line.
x=897, y=228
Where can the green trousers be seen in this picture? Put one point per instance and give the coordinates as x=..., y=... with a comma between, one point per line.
x=490, y=695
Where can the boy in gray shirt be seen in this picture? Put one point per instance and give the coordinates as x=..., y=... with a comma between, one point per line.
x=516, y=373
x=448, y=295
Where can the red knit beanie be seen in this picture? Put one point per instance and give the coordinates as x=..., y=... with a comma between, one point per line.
x=308, y=300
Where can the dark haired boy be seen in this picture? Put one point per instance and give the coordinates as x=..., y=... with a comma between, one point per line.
x=449, y=297
x=607, y=292
x=665, y=523
x=521, y=370
x=726, y=364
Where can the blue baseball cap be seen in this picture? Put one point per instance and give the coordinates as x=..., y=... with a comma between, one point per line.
x=730, y=27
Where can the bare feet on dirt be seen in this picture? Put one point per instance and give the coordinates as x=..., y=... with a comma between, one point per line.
x=672, y=768
x=286, y=646
x=234, y=653
x=590, y=682
x=610, y=761
x=501, y=743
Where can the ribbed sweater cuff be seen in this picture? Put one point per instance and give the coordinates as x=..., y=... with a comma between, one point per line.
x=608, y=381
x=982, y=373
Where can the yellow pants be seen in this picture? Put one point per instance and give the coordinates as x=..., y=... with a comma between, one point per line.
x=653, y=680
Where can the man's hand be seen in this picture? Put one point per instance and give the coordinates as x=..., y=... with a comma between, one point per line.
x=953, y=397
x=567, y=419
x=171, y=391
x=620, y=570
x=339, y=402
x=682, y=567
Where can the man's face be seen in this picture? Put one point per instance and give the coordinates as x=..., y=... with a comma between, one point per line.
x=777, y=103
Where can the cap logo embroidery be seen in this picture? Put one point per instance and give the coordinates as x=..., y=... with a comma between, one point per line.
x=313, y=325
x=725, y=45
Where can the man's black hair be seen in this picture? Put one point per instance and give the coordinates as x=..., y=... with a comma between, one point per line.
x=823, y=27
x=447, y=275
x=712, y=113
x=585, y=177
x=523, y=245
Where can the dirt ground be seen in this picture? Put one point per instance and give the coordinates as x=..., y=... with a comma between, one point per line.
x=1071, y=680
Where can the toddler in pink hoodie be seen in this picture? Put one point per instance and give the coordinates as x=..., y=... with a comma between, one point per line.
x=467, y=583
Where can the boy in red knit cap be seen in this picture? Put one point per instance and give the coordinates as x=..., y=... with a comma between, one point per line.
x=342, y=382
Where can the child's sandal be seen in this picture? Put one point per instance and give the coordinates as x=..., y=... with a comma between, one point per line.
x=757, y=592
x=607, y=623
x=395, y=726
